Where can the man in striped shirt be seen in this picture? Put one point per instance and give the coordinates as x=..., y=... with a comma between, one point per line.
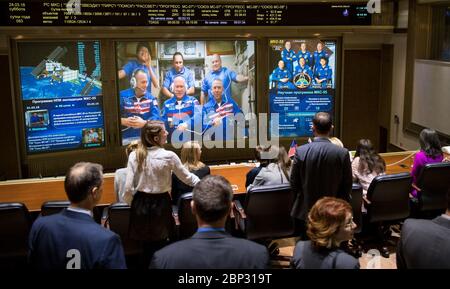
x=137, y=106
x=217, y=110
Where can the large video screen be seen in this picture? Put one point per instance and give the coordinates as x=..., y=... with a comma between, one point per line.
x=301, y=82
x=193, y=86
x=61, y=92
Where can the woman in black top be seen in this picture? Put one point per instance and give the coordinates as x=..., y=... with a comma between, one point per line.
x=190, y=157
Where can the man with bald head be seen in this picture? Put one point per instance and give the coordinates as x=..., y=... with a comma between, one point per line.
x=178, y=111
x=72, y=239
x=217, y=110
x=222, y=73
x=320, y=169
x=178, y=69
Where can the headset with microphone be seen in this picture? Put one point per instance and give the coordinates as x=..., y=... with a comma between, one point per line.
x=133, y=80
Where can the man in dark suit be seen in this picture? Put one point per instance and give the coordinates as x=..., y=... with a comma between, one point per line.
x=425, y=244
x=211, y=247
x=72, y=239
x=320, y=169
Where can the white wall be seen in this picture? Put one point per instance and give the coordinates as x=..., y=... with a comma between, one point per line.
x=397, y=136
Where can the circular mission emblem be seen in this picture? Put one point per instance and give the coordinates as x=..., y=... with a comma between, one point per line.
x=302, y=80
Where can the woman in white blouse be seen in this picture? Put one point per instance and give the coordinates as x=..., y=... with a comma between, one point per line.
x=149, y=172
x=366, y=165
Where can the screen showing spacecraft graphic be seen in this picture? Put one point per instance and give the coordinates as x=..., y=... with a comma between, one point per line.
x=61, y=92
x=302, y=81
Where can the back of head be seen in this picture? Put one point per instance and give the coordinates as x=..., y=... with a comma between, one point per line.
x=336, y=141
x=322, y=123
x=324, y=220
x=131, y=147
x=430, y=143
x=81, y=179
x=212, y=198
x=190, y=155
x=149, y=134
x=369, y=159
x=267, y=154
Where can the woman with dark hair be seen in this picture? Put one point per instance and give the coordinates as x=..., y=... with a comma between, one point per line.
x=149, y=172
x=330, y=222
x=190, y=157
x=430, y=152
x=251, y=175
x=367, y=164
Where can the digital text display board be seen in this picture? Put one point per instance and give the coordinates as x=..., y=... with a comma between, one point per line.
x=141, y=13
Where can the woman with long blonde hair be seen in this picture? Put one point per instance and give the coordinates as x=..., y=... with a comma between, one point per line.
x=190, y=157
x=149, y=172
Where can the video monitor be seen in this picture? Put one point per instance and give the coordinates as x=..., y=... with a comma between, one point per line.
x=61, y=92
x=196, y=87
x=302, y=81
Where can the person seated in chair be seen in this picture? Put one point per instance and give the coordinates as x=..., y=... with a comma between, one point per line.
x=72, y=239
x=330, y=223
x=366, y=165
x=430, y=153
x=211, y=247
x=425, y=244
x=273, y=173
x=190, y=157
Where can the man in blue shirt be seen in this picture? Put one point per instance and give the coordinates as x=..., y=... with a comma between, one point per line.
x=143, y=61
x=288, y=56
x=178, y=111
x=35, y=120
x=72, y=239
x=323, y=73
x=280, y=75
x=318, y=54
x=178, y=69
x=222, y=73
x=217, y=110
x=305, y=54
x=137, y=106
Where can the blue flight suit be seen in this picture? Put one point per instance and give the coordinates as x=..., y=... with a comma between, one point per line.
x=323, y=72
x=212, y=110
x=70, y=238
x=318, y=56
x=307, y=56
x=174, y=114
x=146, y=108
x=185, y=72
x=288, y=56
x=305, y=69
x=224, y=74
x=132, y=65
x=279, y=74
